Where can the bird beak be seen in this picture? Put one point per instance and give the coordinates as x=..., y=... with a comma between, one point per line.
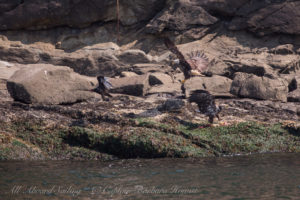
x=196, y=73
x=183, y=81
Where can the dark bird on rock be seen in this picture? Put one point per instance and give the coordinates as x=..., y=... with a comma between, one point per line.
x=206, y=104
x=103, y=87
x=196, y=63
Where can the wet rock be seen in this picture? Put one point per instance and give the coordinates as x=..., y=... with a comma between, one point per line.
x=171, y=105
x=251, y=86
x=48, y=84
x=147, y=113
x=216, y=85
x=136, y=85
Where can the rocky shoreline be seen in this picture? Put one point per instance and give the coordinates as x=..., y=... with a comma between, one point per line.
x=119, y=129
x=49, y=63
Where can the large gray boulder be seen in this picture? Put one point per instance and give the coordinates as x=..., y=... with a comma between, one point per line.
x=216, y=85
x=252, y=86
x=48, y=84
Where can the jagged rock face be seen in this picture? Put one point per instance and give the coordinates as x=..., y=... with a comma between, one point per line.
x=48, y=84
x=35, y=14
x=265, y=17
x=180, y=15
x=260, y=17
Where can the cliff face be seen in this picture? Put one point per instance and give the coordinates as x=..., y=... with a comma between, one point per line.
x=260, y=17
x=37, y=15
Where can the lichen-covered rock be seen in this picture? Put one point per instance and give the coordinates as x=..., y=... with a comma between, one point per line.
x=251, y=86
x=48, y=84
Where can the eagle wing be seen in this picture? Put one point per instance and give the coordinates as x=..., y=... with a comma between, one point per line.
x=184, y=65
x=106, y=83
x=198, y=61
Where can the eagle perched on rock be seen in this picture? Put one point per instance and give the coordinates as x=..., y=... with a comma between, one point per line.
x=103, y=87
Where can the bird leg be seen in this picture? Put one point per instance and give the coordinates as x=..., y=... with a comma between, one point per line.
x=107, y=94
x=103, y=97
x=103, y=94
x=211, y=119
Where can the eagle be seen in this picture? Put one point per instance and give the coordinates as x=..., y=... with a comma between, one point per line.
x=206, y=104
x=196, y=64
x=103, y=87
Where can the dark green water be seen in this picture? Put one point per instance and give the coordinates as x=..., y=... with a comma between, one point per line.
x=268, y=176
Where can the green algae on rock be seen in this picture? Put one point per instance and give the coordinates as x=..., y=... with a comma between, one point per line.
x=143, y=138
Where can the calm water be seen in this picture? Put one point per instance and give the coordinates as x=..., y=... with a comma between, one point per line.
x=269, y=176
